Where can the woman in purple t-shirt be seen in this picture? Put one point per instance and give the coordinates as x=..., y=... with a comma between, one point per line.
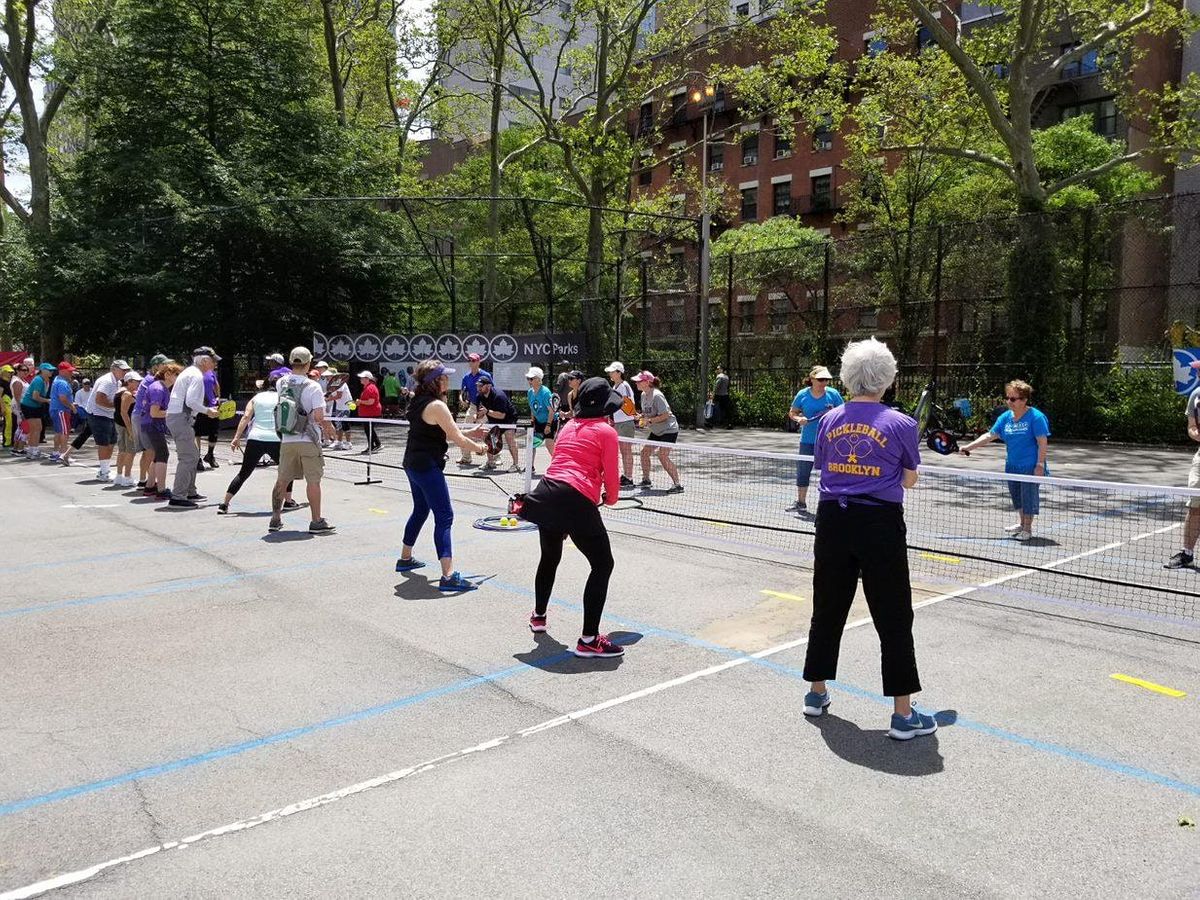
x=867, y=454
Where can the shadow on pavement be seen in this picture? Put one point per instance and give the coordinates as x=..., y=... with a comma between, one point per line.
x=873, y=749
x=551, y=655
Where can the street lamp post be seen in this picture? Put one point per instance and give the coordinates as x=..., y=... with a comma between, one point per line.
x=703, y=97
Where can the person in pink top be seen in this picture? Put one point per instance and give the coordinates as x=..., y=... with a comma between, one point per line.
x=585, y=470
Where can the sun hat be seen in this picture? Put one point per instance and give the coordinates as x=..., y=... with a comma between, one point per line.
x=596, y=399
x=300, y=356
x=535, y=372
x=331, y=371
x=819, y=372
x=615, y=367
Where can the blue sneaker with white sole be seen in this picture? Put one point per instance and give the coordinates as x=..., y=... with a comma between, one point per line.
x=815, y=703
x=456, y=583
x=407, y=565
x=916, y=725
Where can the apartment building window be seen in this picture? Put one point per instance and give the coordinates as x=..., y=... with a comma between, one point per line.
x=743, y=10
x=646, y=172
x=517, y=91
x=868, y=318
x=746, y=304
x=822, y=192
x=823, y=133
x=1103, y=114
x=781, y=199
x=781, y=308
x=679, y=109
x=716, y=157
x=750, y=204
x=816, y=299
x=783, y=143
x=750, y=148
x=645, y=119
x=1088, y=64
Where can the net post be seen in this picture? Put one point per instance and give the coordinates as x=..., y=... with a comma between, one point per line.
x=529, y=452
x=370, y=454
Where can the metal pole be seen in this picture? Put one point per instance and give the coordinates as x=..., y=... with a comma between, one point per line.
x=729, y=318
x=937, y=311
x=370, y=455
x=528, y=459
x=825, y=306
x=645, y=309
x=550, y=281
x=705, y=262
x=453, y=293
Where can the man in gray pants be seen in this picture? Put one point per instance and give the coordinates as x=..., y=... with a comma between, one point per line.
x=187, y=402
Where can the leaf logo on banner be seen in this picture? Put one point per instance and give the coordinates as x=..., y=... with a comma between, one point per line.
x=340, y=347
x=421, y=346
x=367, y=347
x=476, y=343
x=450, y=347
x=504, y=348
x=320, y=342
x=395, y=347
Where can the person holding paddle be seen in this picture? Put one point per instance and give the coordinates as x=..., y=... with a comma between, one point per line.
x=1025, y=431
x=624, y=419
x=807, y=409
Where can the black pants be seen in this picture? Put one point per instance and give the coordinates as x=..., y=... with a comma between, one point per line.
x=253, y=452
x=723, y=415
x=864, y=541
x=373, y=434
x=208, y=428
x=81, y=438
x=561, y=511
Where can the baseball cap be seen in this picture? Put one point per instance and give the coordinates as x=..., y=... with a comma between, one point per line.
x=320, y=364
x=158, y=359
x=644, y=376
x=120, y=364
x=7, y=369
x=300, y=356
x=367, y=373
x=576, y=374
x=87, y=381
x=615, y=367
x=205, y=350
x=534, y=372
x=132, y=375
x=483, y=379
x=276, y=374
x=65, y=366
x=473, y=357
x=46, y=367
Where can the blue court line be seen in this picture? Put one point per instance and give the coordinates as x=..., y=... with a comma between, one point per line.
x=508, y=672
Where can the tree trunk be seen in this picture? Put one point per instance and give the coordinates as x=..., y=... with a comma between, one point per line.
x=331, y=56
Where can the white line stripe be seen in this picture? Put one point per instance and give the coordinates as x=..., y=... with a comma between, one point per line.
x=74, y=470
x=81, y=875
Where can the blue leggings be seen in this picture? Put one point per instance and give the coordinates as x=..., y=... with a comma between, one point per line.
x=429, y=492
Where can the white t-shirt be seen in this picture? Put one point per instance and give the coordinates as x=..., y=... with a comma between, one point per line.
x=82, y=396
x=342, y=398
x=188, y=392
x=105, y=385
x=626, y=392
x=311, y=398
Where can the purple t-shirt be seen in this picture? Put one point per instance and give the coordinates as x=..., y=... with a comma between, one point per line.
x=141, y=410
x=156, y=394
x=210, y=388
x=863, y=449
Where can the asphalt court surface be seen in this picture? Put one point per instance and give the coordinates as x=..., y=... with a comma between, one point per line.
x=320, y=724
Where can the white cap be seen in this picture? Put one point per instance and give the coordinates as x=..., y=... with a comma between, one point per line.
x=132, y=375
x=321, y=364
x=615, y=367
x=366, y=374
x=534, y=372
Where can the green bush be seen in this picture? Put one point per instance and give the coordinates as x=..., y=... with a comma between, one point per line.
x=767, y=403
x=1135, y=405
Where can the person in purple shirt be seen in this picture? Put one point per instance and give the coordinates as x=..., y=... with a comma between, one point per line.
x=208, y=427
x=152, y=418
x=867, y=454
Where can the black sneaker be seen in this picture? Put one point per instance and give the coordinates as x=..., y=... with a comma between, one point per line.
x=626, y=481
x=1181, y=560
x=163, y=495
x=222, y=509
x=675, y=489
x=142, y=485
x=196, y=498
x=200, y=466
x=290, y=504
x=320, y=527
x=212, y=463
x=274, y=525
x=180, y=503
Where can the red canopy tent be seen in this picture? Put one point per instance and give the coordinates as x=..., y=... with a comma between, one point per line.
x=11, y=357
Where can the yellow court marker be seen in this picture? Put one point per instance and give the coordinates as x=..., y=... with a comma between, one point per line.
x=781, y=596
x=1148, y=685
x=378, y=512
x=941, y=558
x=716, y=524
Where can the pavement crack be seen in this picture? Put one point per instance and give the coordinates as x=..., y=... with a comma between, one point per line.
x=156, y=826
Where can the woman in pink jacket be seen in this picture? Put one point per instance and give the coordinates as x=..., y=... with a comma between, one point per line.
x=566, y=504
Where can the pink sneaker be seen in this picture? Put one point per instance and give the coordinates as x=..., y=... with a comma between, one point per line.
x=537, y=623
x=599, y=646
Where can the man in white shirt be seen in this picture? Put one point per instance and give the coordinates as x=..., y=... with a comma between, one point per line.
x=339, y=407
x=100, y=408
x=187, y=402
x=82, y=395
x=300, y=454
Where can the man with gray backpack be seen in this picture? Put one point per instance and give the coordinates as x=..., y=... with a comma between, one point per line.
x=300, y=421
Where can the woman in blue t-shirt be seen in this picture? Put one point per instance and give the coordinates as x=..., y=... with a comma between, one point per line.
x=808, y=407
x=541, y=408
x=1025, y=431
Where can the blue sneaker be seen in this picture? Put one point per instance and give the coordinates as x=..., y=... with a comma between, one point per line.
x=455, y=582
x=915, y=725
x=407, y=565
x=814, y=703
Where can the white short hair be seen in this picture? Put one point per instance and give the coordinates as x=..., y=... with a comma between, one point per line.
x=868, y=367
x=199, y=358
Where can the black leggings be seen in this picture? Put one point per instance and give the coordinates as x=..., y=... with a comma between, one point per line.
x=868, y=541
x=81, y=438
x=577, y=517
x=373, y=433
x=252, y=453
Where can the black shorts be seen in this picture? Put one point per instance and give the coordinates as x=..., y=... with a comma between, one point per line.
x=670, y=438
x=207, y=427
x=158, y=444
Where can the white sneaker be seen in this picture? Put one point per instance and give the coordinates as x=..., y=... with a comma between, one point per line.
x=104, y=476
x=1022, y=536
x=1013, y=529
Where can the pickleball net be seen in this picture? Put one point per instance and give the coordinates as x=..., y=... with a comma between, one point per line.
x=1098, y=550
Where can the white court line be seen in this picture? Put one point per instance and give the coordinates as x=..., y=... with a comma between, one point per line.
x=82, y=875
x=62, y=470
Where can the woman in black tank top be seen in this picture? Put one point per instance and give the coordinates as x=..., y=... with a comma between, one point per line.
x=431, y=427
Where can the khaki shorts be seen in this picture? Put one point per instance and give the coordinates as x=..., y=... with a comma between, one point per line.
x=126, y=442
x=301, y=459
x=1194, y=481
x=626, y=429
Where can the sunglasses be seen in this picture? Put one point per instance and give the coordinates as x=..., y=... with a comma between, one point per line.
x=1013, y=399
x=823, y=379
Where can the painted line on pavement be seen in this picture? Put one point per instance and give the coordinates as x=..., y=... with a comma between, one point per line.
x=779, y=595
x=1148, y=685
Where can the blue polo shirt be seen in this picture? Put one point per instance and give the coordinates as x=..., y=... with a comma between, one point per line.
x=61, y=396
x=470, y=384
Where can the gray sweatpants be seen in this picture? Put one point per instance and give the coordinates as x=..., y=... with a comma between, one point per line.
x=187, y=454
